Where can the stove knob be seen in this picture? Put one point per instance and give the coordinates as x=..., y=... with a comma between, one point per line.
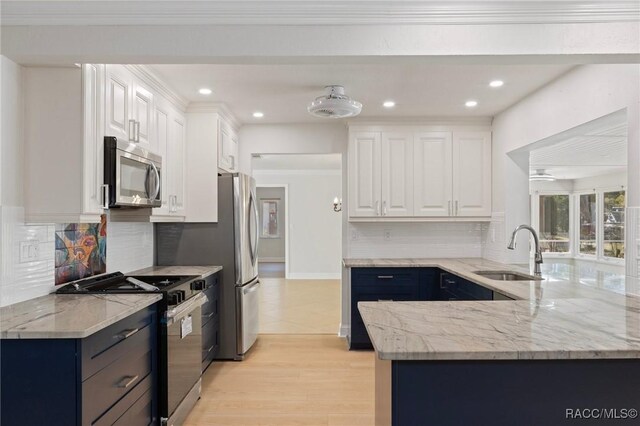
x=198, y=285
x=183, y=295
x=173, y=298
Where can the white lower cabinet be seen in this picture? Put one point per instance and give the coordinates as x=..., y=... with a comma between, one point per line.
x=64, y=134
x=419, y=173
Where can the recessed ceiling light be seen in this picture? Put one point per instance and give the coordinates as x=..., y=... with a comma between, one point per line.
x=496, y=83
x=389, y=104
x=205, y=91
x=258, y=114
x=471, y=104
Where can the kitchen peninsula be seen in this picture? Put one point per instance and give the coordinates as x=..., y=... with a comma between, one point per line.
x=559, y=345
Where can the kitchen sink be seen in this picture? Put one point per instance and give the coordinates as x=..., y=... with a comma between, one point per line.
x=506, y=276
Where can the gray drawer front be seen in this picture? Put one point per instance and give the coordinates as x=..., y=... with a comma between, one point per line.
x=104, y=347
x=102, y=390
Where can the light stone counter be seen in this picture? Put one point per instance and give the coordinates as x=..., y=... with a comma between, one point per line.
x=202, y=271
x=69, y=316
x=551, y=319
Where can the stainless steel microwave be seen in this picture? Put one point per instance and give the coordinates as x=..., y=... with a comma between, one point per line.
x=132, y=174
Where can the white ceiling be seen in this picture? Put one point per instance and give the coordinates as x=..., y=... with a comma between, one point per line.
x=282, y=92
x=297, y=162
x=595, y=148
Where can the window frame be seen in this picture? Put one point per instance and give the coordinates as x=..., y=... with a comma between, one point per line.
x=601, y=256
x=535, y=204
x=576, y=220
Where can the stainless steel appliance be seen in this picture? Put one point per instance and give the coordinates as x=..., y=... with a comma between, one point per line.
x=180, y=337
x=232, y=242
x=131, y=175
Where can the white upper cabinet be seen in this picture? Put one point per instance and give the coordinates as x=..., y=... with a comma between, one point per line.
x=397, y=174
x=365, y=174
x=64, y=134
x=407, y=173
x=472, y=173
x=176, y=157
x=432, y=174
x=119, y=91
x=129, y=107
x=227, y=147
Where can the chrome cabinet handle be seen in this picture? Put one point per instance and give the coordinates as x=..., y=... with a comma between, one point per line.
x=136, y=130
x=384, y=208
x=127, y=333
x=385, y=277
x=105, y=196
x=132, y=136
x=128, y=381
x=377, y=207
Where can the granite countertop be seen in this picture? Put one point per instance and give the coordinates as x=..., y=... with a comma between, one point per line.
x=550, y=319
x=69, y=316
x=202, y=271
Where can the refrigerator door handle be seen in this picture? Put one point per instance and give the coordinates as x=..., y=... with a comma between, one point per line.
x=253, y=243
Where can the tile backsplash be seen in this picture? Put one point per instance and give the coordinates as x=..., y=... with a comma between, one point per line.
x=81, y=250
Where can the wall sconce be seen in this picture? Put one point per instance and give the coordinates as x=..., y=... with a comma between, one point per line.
x=337, y=205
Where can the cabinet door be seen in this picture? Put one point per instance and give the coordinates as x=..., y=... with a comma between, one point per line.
x=176, y=152
x=397, y=174
x=162, y=121
x=472, y=173
x=432, y=174
x=142, y=113
x=365, y=177
x=93, y=140
x=227, y=147
x=118, y=105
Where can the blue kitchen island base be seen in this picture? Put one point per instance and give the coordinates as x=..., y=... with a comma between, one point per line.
x=507, y=392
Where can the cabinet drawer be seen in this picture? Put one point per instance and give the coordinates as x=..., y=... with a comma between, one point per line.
x=210, y=342
x=384, y=276
x=104, y=347
x=211, y=309
x=105, y=388
x=476, y=291
x=135, y=409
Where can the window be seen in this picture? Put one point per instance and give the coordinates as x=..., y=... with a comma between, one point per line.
x=554, y=223
x=588, y=224
x=613, y=222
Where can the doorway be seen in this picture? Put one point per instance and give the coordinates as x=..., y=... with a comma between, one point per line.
x=300, y=249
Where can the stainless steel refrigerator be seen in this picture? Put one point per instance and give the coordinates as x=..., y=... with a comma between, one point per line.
x=232, y=243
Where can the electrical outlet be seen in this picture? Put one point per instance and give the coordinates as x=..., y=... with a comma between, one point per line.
x=29, y=250
x=387, y=235
x=354, y=235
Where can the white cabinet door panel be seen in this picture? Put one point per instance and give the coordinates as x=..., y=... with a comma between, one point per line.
x=143, y=115
x=177, y=150
x=472, y=173
x=432, y=174
x=364, y=174
x=93, y=144
x=118, y=95
x=397, y=174
x=162, y=140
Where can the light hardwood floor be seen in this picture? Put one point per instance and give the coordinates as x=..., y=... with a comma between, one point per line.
x=285, y=380
x=299, y=306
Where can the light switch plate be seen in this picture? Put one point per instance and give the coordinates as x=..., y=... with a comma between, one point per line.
x=29, y=250
x=387, y=235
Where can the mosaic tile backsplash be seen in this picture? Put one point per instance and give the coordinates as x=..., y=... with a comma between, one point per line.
x=81, y=250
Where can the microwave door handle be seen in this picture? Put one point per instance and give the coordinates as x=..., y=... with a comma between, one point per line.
x=157, y=189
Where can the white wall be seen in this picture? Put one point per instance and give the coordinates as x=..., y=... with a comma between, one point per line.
x=129, y=245
x=582, y=95
x=315, y=231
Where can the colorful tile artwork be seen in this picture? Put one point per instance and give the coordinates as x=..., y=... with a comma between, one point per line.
x=81, y=250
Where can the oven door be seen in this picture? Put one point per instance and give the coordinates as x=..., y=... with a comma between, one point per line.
x=137, y=180
x=184, y=350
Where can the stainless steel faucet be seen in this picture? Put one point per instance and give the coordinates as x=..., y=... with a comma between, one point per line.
x=538, y=256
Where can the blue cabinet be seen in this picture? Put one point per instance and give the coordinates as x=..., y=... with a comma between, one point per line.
x=386, y=284
x=211, y=320
x=105, y=379
x=404, y=284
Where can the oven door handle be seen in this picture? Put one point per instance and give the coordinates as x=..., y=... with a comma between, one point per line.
x=185, y=309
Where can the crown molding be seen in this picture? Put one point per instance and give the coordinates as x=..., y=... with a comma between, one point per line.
x=420, y=121
x=216, y=108
x=145, y=73
x=311, y=12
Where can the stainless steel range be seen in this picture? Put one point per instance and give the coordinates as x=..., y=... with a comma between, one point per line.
x=180, y=336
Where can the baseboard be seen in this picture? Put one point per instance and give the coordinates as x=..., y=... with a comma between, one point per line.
x=314, y=276
x=271, y=260
x=343, y=331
